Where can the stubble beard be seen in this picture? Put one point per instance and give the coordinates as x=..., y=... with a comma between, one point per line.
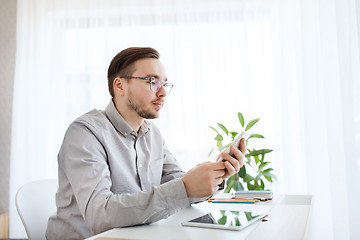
x=139, y=110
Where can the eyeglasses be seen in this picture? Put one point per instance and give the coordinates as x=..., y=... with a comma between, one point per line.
x=155, y=84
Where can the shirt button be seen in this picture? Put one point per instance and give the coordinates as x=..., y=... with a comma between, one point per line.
x=125, y=134
x=140, y=165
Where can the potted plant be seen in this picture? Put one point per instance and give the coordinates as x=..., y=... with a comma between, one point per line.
x=255, y=174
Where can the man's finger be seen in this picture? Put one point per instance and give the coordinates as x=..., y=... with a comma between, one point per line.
x=230, y=168
x=219, y=173
x=239, y=156
x=218, y=165
x=242, y=146
x=218, y=181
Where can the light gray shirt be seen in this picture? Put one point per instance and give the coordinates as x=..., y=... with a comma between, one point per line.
x=111, y=176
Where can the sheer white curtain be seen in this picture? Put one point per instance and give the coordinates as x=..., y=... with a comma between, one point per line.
x=293, y=63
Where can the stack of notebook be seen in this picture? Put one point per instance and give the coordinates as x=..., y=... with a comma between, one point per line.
x=261, y=195
x=242, y=197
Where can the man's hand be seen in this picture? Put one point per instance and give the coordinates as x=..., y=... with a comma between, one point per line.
x=233, y=164
x=203, y=180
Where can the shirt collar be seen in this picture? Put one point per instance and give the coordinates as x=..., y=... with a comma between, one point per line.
x=121, y=125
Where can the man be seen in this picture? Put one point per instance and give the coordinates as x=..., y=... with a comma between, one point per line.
x=114, y=167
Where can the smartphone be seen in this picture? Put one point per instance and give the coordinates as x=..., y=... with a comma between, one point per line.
x=235, y=143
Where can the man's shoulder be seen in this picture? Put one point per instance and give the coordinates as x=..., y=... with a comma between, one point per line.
x=94, y=118
x=85, y=127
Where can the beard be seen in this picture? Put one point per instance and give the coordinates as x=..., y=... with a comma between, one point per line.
x=140, y=110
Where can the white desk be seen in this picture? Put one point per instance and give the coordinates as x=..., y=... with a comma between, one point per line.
x=287, y=219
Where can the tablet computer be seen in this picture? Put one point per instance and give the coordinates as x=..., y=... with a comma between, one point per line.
x=225, y=219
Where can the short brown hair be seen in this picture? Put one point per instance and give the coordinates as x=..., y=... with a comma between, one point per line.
x=121, y=64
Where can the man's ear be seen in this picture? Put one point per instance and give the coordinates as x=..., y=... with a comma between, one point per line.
x=118, y=85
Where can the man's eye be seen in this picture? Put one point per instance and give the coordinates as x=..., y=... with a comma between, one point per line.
x=153, y=81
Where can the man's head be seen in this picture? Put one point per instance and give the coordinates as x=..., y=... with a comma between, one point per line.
x=138, y=83
x=123, y=63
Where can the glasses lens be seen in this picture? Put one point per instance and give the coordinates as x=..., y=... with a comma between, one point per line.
x=156, y=84
x=168, y=87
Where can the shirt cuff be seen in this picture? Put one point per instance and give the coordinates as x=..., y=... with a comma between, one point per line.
x=175, y=192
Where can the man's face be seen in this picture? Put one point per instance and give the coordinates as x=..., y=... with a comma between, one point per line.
x=141, y=99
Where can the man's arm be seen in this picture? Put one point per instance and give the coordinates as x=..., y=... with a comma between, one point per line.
x=83, y=160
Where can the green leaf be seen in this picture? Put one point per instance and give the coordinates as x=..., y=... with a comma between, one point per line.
x=262, y=165
x=222, y=220
x=249, y=216
x=223, y=128
x=256, y=157
x=237, y=222
x=248, y=178
x=251, y=123
x=268, y=170
x=233, y=135
x=238, y=186
x=229, y=184
x=268, y=178
x=241, y=119
x=228, y=188
x=262, y=158
x=250, y=186
x=248, y=157
x=267, y=174
x=262, y=184
x=256, y=136
x=241, y=187
x=214, y=129
x=242, y=172
x=219, y=137
x=258, y=152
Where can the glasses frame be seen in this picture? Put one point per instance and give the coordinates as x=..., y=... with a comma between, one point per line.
x=151, y=79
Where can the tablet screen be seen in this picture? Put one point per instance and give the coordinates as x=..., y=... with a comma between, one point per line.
x=224, y=219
